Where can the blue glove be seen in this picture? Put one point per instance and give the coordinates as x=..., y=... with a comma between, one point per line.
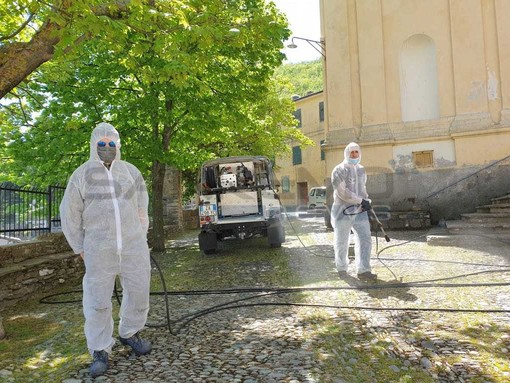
x=365, y=205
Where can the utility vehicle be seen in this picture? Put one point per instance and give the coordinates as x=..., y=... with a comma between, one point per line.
x=238, y=199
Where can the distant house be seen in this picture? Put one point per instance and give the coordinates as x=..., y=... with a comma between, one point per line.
x=305, y=167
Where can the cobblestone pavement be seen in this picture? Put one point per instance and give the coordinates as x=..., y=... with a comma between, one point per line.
x=281, y=343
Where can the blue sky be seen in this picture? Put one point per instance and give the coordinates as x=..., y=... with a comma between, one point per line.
x=304, y=21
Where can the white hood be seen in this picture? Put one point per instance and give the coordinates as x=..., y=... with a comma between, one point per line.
x=350, y=148
x=100, y=131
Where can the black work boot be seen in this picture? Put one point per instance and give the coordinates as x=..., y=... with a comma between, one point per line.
x=140, y=346
x=367, y=276
x=99, y=364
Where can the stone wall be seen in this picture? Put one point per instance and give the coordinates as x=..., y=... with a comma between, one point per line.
x=445, y=193
x=45, y=244
x=36, y=267
x=402, y=220
x=190, y=219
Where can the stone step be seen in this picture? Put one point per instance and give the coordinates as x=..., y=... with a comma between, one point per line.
x=503, y=199
x=496, y=231
x=486, y=217
x=464, y=227
x=460, y=240
x=494, y=208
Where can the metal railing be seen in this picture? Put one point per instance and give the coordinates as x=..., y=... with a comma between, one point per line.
x=26, y=212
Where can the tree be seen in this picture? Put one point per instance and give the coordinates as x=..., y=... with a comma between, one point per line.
x=184, y=81
x=32, y=32
x=302, y=77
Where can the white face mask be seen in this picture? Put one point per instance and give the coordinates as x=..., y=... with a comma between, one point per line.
x=353, y=161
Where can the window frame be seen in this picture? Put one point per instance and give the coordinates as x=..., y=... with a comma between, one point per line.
x=419, y=163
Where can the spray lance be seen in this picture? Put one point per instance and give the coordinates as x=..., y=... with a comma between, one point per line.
x=366, y=206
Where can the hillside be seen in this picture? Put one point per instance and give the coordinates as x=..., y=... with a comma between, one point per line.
x=301, y=78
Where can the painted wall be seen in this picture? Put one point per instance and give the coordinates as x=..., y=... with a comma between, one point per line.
x=412, y=75
x=312, y=168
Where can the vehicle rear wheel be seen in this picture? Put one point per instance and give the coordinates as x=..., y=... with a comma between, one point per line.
x=275, y=234
x=208, y=242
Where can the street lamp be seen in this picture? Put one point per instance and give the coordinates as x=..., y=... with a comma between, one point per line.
x=319, y=46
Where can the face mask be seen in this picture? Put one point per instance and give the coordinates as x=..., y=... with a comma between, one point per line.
x=106, y=154
x=353, y=161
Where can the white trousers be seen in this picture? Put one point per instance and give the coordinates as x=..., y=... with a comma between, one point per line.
x=360, y=225
x=97, y=306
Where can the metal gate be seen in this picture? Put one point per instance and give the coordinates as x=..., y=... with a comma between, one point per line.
x=26, y=212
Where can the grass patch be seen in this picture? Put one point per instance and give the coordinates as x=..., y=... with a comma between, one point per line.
x=42, y=345
x=354, y=355
x=237, y=264
x=24, y=332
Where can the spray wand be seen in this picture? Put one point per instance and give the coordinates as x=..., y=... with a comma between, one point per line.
x=386, y=236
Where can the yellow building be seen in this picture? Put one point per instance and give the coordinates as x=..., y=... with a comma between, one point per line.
x=424, y=87
x=305, y=167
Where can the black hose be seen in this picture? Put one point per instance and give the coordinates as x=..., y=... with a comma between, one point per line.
x=364, y=308
x=165, y=292
x=263, y=292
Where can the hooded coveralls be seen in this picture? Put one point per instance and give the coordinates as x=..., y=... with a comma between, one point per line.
x=349, y=189
x=104, y=215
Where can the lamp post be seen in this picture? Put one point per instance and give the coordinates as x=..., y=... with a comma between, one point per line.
x=319, y=46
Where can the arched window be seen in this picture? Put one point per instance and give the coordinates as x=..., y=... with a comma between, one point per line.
x=419, y=96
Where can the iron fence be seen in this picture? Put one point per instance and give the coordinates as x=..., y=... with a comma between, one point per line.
x=26, y=212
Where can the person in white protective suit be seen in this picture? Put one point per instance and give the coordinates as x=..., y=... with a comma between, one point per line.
x=104, y=219
x=350, y=211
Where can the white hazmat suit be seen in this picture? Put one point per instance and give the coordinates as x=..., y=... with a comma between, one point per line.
x=349, y=188
x=104, y=217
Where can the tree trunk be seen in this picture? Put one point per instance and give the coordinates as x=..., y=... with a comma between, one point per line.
x=158, y=227
x=18, y=60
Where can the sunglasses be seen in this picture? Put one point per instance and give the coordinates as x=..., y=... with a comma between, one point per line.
x=102, y=144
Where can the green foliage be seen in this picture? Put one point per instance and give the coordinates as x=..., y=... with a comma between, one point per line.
x=301, y=78
x=176, y=80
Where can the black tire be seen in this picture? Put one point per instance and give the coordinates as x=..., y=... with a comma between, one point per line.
x=207, y=242
x=311, y=207
x=275, y=234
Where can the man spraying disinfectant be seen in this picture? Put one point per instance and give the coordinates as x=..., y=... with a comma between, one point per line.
x=349, y=187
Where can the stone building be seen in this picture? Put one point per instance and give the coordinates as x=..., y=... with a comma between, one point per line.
x=424, y=88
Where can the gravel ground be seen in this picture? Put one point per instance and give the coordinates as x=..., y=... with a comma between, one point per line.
x=350, y=340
